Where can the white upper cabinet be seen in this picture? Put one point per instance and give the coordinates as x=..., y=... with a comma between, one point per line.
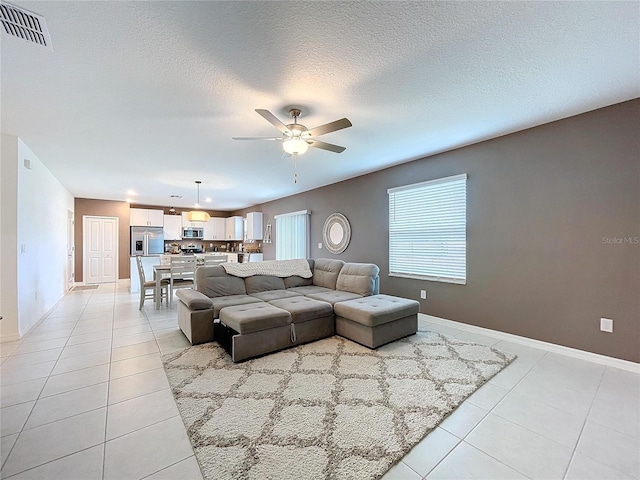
x=234, y=229
x=215, y=229
x=172, y=227
x=254, y=226
x=145, y=217
x=219, y=228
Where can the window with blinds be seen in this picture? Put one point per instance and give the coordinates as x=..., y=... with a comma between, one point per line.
x=292, y=235
x=428, y=230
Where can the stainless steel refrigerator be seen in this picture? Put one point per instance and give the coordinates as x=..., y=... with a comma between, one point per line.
x=147, y=240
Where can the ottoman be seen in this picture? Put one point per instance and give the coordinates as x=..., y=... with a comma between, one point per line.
x=376, y=320
x=250, y=330
x=310, y=319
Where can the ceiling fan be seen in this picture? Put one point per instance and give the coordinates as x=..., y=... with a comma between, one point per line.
x=298, y=138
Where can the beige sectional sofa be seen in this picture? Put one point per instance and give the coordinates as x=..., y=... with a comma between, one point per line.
x=260, y=314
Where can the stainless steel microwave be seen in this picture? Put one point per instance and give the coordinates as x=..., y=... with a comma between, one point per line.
x=193, y=232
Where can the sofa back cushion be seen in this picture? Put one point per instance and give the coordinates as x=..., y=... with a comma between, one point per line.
x=262, y=283
x=215, y=282
x=360, y=278
x=296, y=281
x=326, y=271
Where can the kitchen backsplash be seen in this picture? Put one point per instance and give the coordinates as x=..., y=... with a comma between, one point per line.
x=208, y=246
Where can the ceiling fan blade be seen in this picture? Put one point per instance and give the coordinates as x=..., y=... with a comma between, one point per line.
x=329, y=127
x=257, y=138
x=326, y=146
x=273, y=120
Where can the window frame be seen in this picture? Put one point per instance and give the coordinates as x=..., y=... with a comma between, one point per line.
x=449, y=192
x=307, y=233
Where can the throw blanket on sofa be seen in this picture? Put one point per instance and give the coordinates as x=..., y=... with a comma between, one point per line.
x=276, y=268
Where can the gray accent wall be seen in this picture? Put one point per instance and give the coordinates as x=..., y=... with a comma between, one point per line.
x=553, y=228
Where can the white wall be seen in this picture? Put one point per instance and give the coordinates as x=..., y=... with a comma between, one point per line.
x=40, y=242
x=8, y=238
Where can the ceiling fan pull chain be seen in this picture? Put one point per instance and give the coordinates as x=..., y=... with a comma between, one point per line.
x=295, y=168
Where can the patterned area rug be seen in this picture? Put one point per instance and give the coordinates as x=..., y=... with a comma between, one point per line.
x=329, y=409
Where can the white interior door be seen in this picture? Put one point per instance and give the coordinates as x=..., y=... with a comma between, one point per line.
x=70, y=250
x=100, y=241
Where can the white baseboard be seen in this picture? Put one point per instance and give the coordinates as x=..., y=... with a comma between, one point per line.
x=9, y=338
x=551, y=347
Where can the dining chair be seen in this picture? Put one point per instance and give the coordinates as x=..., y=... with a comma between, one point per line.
x=183, y=269
x=150, y=285
x=210, y=260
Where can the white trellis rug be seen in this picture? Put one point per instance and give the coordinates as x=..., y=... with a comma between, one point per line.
x=330, y=409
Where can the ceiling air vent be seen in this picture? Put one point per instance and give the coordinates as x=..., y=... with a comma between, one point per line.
x=24, y=24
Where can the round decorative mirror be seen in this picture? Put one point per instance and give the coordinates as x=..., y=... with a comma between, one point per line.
x=336, y=233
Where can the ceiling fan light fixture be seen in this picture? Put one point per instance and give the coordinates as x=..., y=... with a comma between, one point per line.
x=295, y=145
x=198, y=215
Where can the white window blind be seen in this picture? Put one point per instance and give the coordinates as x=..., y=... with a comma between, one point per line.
x=292, y=235
x=428, y=230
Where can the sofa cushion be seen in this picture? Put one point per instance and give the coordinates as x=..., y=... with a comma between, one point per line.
x=306, y=290
x=303, y=309
x=275, y=295
x=262, y=283
x=376, y=310
x=194, y=300
x=326, y=271
x=295, y=281
x=229, y=301
x=334, y=296
x=215, y=282
x=254, y=317
x=358, y=278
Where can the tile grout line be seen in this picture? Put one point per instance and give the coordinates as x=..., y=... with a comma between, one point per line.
x=50, y=461
x=22, y=429
x=175, y=402
x=462, y=440
x=106, y=414
x=584, y=423
x=492, y=409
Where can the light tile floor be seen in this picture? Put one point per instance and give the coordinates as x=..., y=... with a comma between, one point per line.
x=84, y=396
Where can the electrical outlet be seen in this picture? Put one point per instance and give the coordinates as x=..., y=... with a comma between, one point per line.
x=423, y=294
x=606, y=325
x=319, y=244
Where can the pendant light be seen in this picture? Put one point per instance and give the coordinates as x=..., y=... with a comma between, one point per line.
x=198, y=215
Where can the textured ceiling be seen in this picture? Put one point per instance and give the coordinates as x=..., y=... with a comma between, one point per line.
x=145, y=96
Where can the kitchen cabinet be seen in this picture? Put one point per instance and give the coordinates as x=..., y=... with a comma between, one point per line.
x=146, y=217
x=254, y=226
x=234, y=229
x=215, y=229
x=172, y=227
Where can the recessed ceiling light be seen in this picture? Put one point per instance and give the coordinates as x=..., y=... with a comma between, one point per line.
x=131, y=193
x=208, y=200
